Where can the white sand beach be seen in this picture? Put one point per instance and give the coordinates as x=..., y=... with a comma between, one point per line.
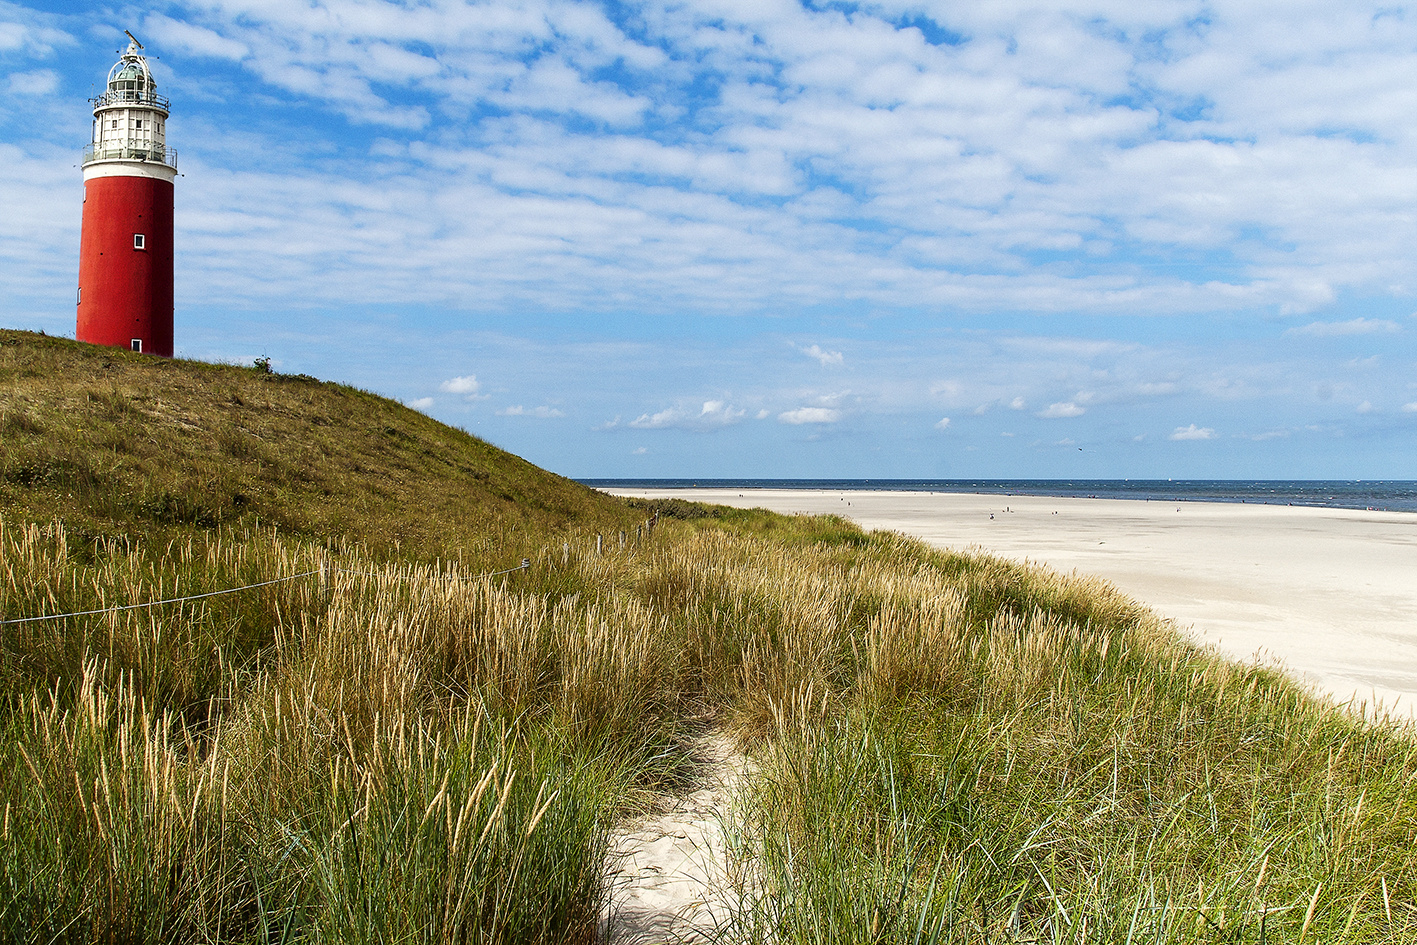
x=1330, y=593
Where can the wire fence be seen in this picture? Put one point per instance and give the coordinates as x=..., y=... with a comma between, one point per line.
x=526, y=563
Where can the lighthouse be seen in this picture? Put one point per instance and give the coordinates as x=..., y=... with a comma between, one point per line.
x=125, y=250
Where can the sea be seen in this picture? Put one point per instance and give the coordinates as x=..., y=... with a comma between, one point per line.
x=1375, y=494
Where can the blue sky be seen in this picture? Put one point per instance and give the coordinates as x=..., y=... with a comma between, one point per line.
x=999, y=238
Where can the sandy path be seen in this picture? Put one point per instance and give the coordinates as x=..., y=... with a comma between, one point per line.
x=1332, y=593
x=669, y=870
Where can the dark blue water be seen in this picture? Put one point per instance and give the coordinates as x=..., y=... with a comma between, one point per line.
x=1389, y=495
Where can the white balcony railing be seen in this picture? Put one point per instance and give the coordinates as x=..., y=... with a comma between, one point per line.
x=132, y=151
x=130, y=97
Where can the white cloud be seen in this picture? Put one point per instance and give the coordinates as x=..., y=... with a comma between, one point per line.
x=719, y=413
x=711, y=415
x=163, y=31
x=1017, y=404
x=543, y=412
x=639, y=451
x=422, y=403
x=1192, y=432
x=665, y=418
x=943, y=423
x=565, y=160
x=809, y=415
x=467, y=384
x=1354, y=326
x=1064, y=409
x=762, y=414
x=825, y=357
x=38, y=82
x=1364, y=407
x=1410, y=408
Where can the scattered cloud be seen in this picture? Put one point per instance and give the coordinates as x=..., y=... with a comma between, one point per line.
x=669, y=417
x=639, y=451
x=1017, y=403
x=1192, y=432
x=809, y=415
x=421, y=404
x=943, y=423
x=825, y=357
x=1064, y=409
x=1364, y=407
x=762, y=414
x=712, y=414
x=543, y=412
x=1268, y=435
x=1354, y=326
x=466, y=385
x=1410, y=408
x=719, y=413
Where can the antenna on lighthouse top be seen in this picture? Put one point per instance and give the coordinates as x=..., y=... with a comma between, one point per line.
x=134, y=39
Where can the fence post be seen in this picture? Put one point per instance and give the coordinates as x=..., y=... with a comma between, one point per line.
x=597, y=545
x=565, y=553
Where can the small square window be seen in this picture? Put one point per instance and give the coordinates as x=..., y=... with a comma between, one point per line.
x=139, y=125
x=140, y=241
x=137, y=345
x=115, y=123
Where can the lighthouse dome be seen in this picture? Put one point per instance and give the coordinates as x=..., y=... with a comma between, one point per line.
x=131, y=82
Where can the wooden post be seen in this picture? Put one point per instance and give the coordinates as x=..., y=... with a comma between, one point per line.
x=597, y=545
x=565, y=553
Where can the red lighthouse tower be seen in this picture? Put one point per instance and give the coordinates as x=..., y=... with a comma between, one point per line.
x=125, y=252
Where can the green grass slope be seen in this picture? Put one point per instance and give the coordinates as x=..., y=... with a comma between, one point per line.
x=113, y=440
x=364, y=745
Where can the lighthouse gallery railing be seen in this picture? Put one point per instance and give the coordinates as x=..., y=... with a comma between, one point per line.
x=130, y=152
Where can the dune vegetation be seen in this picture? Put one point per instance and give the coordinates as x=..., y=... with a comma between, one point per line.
x=384, y=740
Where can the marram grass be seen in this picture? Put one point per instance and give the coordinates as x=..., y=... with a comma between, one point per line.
x=949, y=748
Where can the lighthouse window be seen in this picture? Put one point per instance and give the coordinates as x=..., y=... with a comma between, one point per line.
x=140, y=241
x=115, y=123
x=139, y=125
x=137, y=345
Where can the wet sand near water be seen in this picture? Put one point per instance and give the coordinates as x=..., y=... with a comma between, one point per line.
x=1331, y=593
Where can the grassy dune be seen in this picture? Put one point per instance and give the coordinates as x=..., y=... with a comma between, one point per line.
x=125, y=444
x=396, y=748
